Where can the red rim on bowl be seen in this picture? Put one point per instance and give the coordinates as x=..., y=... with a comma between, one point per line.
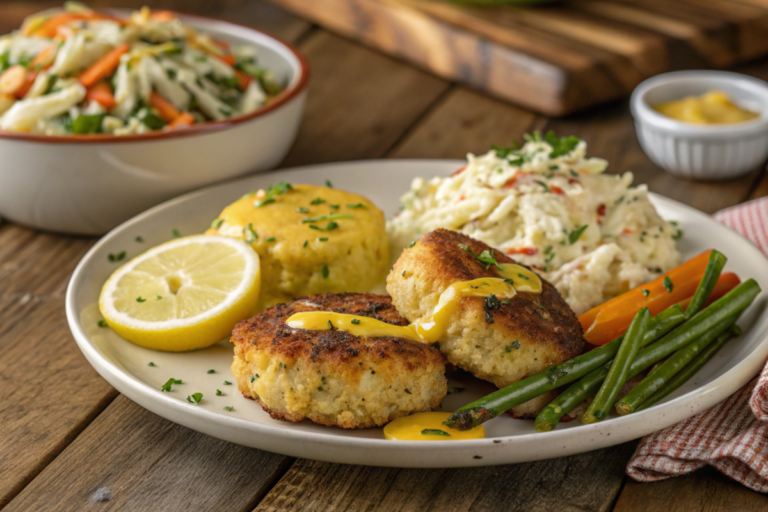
x=196, y=129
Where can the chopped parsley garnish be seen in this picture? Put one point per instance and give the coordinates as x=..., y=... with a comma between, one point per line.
x=250, y=234
x=317, y=201
x=548, y=250
x=678, y=234
x=272, y=191
x=159, y=297
x=195, y=398
x=227, y=383
x=492, y=302
x=356, y=321
x=356, y=206
x=140, y=299
x=434, y=432
x=322, y=239
x=514, y=345
x=218, y=392
x=668, y=284
x=229, y=408
x=302, y=209
x=561, y=146
x=646, y=292
x=167, y=386
x=176, y=233
x=488, y=316
x=554, y=167
x=485, y=257
x=306, y=242
x=504, y=152
x=281, y=366
x=216, y=224
x=521, y=276
x=330, y=216
x=102, y=323
x=254, y=377
x=211, y=371
x=328, y=184
x=151, y=364
x=330, y=227
x=326, y=271
x=546, y=188
x=116, y=257
x=412, y=244
x=139, y=239
x=271, y=239
x=334, y=206
x=574, y=236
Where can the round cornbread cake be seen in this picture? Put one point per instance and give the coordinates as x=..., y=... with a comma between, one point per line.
x=333, y=377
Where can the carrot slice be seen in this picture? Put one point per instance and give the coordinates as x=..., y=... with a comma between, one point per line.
x=101, y=92
x=608, y=320
x=51, y=25
x=725, y=283
x=45, y=58
x=185, y=119
x=162, y=15
x=28, y=81
x=228, y=59
x=167, y=111
x=243, y=80
x=103, y=67
x=221, y=44
x=13, y=79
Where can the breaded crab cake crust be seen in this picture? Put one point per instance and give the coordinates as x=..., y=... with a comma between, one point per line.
x=529, y=334
x=333, y=377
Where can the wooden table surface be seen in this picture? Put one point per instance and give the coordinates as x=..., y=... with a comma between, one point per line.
x=67, y=433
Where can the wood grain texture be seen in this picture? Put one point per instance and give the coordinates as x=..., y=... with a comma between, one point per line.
x=706, y=490
x=360, y=102
x=148, y=463
x=50, y=393
x=553, y=59
x=588, y=482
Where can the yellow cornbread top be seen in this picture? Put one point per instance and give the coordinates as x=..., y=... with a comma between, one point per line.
x=714, y=107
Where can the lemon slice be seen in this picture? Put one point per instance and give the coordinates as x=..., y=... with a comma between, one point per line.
x=184, y=294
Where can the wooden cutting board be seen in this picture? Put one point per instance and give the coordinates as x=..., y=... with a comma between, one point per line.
x=554, y=59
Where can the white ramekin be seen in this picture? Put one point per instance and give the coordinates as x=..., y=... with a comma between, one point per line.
x=89, y=184
x=702, y=152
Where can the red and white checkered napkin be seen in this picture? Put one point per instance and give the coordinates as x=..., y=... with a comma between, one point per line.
x=732, y=436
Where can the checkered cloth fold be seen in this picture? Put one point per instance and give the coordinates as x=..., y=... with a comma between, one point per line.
x=732, y=436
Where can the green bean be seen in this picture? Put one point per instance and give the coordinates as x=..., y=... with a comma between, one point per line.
x=691, y=368
x=496, y=403
x=617, y=374
x=665, y=372
x=712, y=272
x=715, y=316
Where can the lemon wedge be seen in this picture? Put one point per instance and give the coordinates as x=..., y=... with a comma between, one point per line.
x=184, y=294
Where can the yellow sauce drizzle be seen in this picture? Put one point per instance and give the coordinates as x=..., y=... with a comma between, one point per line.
x=410, y=428
x=431, y=328
x=714, y=107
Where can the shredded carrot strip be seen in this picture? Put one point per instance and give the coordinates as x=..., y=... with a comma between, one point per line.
x=104, y=67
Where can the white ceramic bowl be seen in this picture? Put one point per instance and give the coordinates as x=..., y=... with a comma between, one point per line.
x=702, y=152
x=89, y=184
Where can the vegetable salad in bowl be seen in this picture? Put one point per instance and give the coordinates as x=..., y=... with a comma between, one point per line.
x=74, y=71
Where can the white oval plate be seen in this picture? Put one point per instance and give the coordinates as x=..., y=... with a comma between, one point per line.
x=126, y=366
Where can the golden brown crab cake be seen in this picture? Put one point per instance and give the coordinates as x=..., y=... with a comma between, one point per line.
x=330, y=376
x=528, y=334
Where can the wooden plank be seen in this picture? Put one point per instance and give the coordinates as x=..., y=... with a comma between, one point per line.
x=360, y=102
x=583, y=482
x=554, y=59
x=144, y=462
x=706, y=489
x=50, y=393
x=465, y=122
